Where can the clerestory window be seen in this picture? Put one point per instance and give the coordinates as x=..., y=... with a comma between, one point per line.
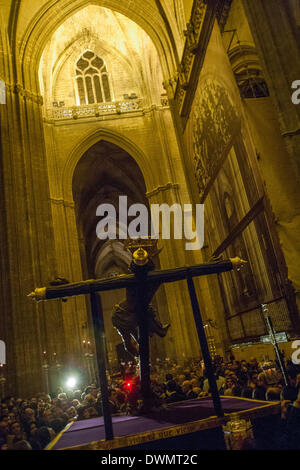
x=92, y=79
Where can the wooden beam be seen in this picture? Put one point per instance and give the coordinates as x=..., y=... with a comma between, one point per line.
x=121, y=282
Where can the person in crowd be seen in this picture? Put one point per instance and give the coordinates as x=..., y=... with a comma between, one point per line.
x=172, y=393
x=187, y=388
x=270, y=375
x=290, y=391
x=231, y=387
x=82, y=413
x=273, y=393
x=250, y=387
x=219, y=379
x=259, y=392
x=31, y=423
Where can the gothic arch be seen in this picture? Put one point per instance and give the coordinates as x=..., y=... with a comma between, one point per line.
x=50, y=17
x=110, y=136
x=99, y=47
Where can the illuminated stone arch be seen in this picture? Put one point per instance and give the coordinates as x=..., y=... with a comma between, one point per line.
x=110, y=136
x=51, y=17
x=100, y=47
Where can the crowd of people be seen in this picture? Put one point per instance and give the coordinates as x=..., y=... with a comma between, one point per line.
x=31, y=424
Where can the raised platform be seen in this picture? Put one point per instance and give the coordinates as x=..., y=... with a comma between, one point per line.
x=180, y=426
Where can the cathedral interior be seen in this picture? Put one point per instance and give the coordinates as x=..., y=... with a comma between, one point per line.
x=165, y=102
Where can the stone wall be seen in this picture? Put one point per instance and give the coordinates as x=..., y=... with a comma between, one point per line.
x=222, y=154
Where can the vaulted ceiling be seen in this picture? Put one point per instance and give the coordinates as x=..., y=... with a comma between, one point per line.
x=31, y=24
x=131, y=58
x=104, y=173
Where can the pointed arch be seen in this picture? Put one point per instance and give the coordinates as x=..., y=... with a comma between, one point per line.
x=53, y=15
x=114, y=138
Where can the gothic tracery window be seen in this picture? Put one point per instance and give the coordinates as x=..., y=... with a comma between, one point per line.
x=92, y=79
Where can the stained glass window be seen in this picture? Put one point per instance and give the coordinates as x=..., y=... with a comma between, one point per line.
x=92, y=79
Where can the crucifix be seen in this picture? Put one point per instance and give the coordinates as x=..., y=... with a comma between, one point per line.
x=143, y=281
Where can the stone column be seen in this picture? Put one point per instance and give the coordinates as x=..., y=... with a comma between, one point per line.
x=28, y=234
x=69, y=266
x=182, y=334
x=277, y=39
x=2, y=383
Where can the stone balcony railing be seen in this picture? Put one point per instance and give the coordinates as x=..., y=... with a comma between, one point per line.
x=94, y=110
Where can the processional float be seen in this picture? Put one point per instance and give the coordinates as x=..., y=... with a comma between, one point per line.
x=140, y=287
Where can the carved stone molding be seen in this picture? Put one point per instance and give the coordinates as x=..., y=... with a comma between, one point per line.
x=62, y=202
x=291, y=133
x=159, y=189
x=222, y=12
x=197, y=37
x=248, y=71
x=26, y=94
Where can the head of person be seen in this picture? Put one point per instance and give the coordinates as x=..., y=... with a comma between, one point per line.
x=16, y=429
x=57, y=425
x=273, y=394
x=11, y=417
x=29, y=414
x=70, y=395
x=93, y=413
x=235, y=366
x=64, y=404
x=56, y=411
x=71, y=412
x=186, y=386
x=32, y=429
x=62, y=396
x=90, y=399
x=253, y=377
x=83, y=413
x=119, y=397
x=195, y=382
x=44, y=436
x=171, y=386
x=47, y=398
x=292, y=373
x=94, y=391
x=253, y=362
x=77, y=395
x=22, y=445
x=4, y=426
x=230, y=382
x=4, y=409
x=180, y=378
x=48, y=415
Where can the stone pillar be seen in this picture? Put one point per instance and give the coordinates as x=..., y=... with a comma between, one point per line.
x=45, y=368
x=28, y=234
x=2, y=383
x=277, y=39
x=182, y=334
x=69, y=266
